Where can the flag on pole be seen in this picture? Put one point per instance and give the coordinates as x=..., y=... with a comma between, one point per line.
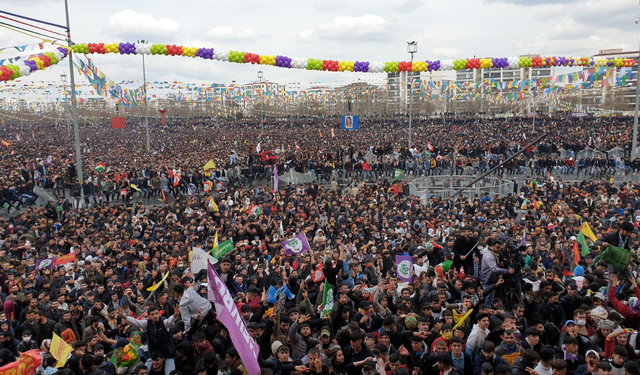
x=327, y=300
x=213, y=204
x=230, y=317
x=442, y=268
x=215, y=243
x=255, y=210
x=576, y=252
x=584, y=247
x=523, y=241
x=586, y=230
x=60, y=350
x=209, y=165
x=296, y=245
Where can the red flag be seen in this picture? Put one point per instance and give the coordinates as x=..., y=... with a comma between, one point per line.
x=535, y=205
x=176, y=180
x=33, y=134
x=576, y=253
x=117, y=177
x=164, y=198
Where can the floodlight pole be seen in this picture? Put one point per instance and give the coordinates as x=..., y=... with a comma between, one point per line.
x=412, y=47
x=74, y=104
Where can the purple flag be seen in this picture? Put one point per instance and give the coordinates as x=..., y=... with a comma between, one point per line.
x=404, y=266
x=275, y=178
x=296, y=245
x=44, y=263
x=230, y=317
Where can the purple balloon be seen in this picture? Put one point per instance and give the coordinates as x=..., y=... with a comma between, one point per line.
x=63, y=50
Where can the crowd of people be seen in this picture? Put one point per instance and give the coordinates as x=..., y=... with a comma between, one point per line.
x=500, y=284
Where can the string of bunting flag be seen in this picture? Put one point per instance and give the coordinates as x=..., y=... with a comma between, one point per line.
x=125, y=48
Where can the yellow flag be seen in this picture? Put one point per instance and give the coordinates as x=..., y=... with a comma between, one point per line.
x=210, y=165
x=134, y=187
x=60, y=350
x=463, y=319
x=215, y=207
x=586, y=230
x=154, y=287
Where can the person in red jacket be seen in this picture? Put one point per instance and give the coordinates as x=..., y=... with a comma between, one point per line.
x=253, y=299
x=631, y=313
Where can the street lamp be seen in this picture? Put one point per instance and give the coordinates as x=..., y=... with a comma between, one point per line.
x=260, y=75
x=74, y=104
x=146, y=102
x=412, y=47
x=634, y=143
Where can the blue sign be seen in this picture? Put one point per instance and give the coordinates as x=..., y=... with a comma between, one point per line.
x=350, y=122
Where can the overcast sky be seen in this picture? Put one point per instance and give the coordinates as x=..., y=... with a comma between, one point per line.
x=370, y=30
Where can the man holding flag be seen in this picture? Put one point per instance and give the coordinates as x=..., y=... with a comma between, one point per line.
x=617, y=245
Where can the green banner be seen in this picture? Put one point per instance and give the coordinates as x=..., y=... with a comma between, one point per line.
x=222, y=249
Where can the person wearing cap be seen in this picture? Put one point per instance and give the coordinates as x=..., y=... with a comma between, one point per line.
x=253, y=299
x=126, y=357
x=572, y=330
x=591, y=367
x=621, y=239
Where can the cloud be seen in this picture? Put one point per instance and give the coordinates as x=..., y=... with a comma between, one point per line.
x=132, y=25
x=231, y=33
x=353, y=27
x=307, y=36
x=445, y=52
x=408, y=6
x=529, y=3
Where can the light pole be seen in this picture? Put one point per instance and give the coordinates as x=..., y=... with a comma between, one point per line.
x=261, y=104
x=634, y=143
x=74, y=104
x=412, y=47
x=146, y=102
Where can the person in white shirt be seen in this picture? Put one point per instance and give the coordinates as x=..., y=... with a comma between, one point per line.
x=478, y=334
x=547, y=356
